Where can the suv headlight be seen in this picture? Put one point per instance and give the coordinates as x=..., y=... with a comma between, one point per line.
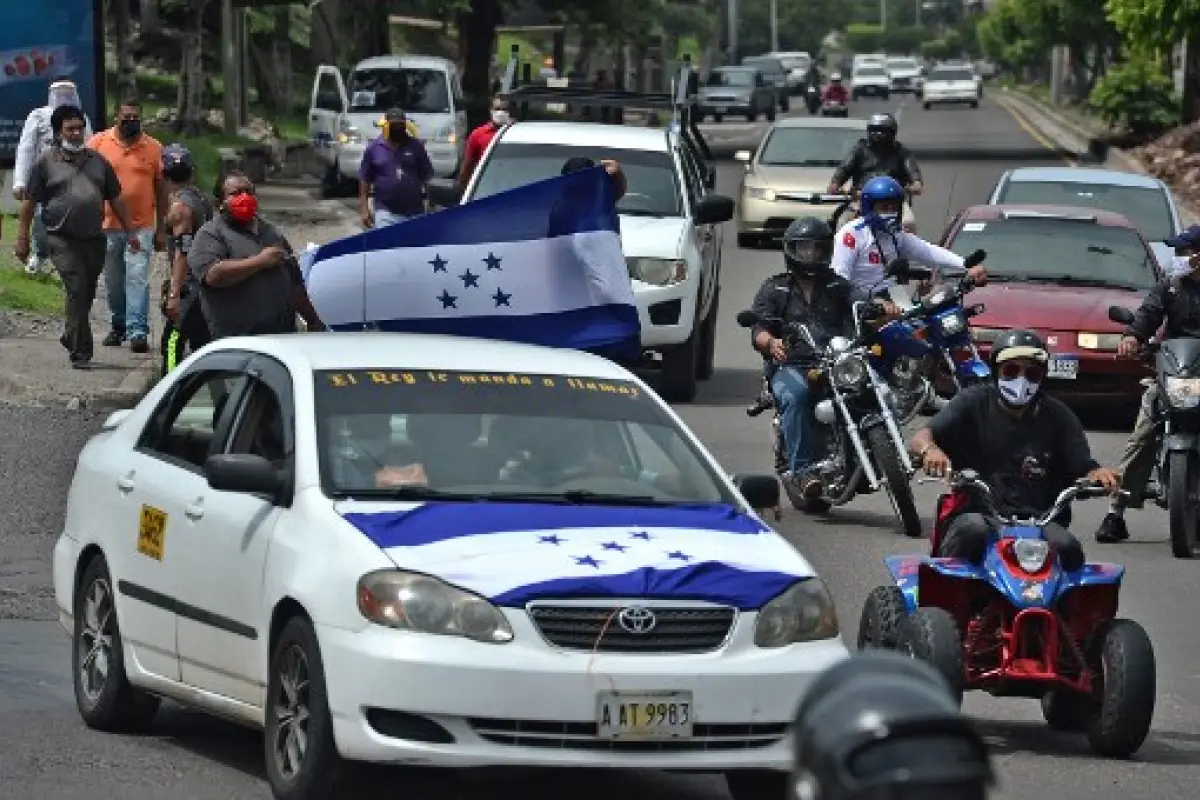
x=849, y=370
x=1183, y=392
x=413, y=602
x=657, y=271
x=803, y=613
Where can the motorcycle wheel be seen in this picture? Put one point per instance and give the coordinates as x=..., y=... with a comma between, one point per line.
x=896, y=478
x=1183, y=484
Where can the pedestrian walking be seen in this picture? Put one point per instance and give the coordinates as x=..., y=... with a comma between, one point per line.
x=396, y=167
x=36, y=138
x=480, y=138
x=136, y=157
x=185, y=329
x=71, y=184
x=249, y=280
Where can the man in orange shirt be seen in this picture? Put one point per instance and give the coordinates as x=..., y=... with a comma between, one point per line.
x=480, y=138
x=136, y=157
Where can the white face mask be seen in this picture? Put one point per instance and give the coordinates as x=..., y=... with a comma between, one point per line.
x=70, y=147
x=1018, y=391
x=1180, y=265
x=500, y=118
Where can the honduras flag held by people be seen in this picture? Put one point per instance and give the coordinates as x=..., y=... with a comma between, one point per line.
x=540, y=264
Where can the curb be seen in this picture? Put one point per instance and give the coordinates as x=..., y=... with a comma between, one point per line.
x=127, y=394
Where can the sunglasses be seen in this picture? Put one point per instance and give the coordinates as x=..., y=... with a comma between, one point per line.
x=1013, y=370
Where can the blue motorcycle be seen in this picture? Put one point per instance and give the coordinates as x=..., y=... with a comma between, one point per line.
x=1019, y=625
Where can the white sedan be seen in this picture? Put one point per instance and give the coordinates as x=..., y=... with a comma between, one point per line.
x=378, y=547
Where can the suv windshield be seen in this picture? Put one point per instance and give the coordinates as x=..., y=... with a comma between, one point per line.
x=1048, y=249
x=503, y=436
x=902, y=63
x=420, y=91
x=1145, y=207
x=951, y=75
x=767, y=66
x=731, y=77
x=653, y=187
x=808, y=147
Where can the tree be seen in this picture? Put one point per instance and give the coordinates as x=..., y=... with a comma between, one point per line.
x=861, y=38
x=802, y=25
x=122, y=33
x=1156, y=26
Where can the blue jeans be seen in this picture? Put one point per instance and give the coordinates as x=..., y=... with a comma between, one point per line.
x=40, y=247
x=384, y=217
x=793, y=401
x=127, y=282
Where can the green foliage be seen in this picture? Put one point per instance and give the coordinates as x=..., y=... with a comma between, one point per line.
x=1136, y=96
x=1003, y=38
x=862, y=38
x=936, y=50
x=1153, y=25
x=902, y=39
x=802, y=25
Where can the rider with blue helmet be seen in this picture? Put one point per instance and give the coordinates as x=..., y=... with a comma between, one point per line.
x=864, y=247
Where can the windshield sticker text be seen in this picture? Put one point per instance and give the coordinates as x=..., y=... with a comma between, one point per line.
x=344, y=380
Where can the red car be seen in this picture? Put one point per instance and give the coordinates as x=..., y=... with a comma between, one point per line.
x=1056, y=270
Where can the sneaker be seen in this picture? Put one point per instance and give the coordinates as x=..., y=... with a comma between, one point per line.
x=138, y=345
x=114, y=338
x=1112, y=529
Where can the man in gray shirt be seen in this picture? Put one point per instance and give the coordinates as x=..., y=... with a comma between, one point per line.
x=249, y=280
x=71, y=184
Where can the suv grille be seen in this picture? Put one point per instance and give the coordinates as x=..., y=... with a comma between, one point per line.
x=598, y=628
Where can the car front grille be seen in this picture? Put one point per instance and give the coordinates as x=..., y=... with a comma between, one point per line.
x=582, y=736
x=597, y=628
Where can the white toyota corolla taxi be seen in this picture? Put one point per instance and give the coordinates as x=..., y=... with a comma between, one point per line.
x=382, y=548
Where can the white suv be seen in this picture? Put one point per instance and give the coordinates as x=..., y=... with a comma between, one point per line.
x=670, y=228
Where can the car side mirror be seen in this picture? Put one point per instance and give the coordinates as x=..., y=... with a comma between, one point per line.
x=1120, y=314
x=759, y=491
x=243, y=473
x=713, y=209
x=742, y=156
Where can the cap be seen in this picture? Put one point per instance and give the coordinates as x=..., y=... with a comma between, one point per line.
x=395, y=115
x=1186, y=238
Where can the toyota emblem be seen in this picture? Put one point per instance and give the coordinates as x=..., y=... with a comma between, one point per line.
x=637, y=620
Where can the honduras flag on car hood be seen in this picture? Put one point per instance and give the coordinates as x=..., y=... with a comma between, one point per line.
x=513, y=553
x=541, y=264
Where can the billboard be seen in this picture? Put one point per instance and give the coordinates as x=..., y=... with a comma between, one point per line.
x=41, y=41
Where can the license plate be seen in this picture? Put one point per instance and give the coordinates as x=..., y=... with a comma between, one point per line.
x=1063, y=368
x=644, y=716
x=721, y=109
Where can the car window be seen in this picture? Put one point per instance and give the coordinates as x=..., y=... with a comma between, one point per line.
x=731, y=77
x=807, y=147
x=490, y=435
x=902, y=63
x=653, y=185
x=422, y=91
x=1041, y=249
x=260, y=431
x=183, y=426
x=1145, y=207
x=951, y=75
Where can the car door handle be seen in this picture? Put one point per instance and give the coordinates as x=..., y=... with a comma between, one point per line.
x=126, y=484
x=194, y=511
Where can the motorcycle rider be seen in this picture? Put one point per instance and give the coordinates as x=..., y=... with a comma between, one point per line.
x=812, y=78
x=836, y=92
x=1175, y=301
x=1025, y=445
x=878, y=154
x=867, y=245
x=808, y=292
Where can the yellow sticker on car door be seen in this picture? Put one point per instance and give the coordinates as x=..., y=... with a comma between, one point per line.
x=152, y=532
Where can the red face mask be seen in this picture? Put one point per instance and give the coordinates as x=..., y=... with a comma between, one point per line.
x=242, y=207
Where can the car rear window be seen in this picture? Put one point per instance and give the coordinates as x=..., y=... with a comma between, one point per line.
x=1042, y=249
x=731, y=77
x=951, y=75
x=1147, y=208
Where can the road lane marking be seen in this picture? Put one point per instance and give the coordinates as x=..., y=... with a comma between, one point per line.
x=1029, y=128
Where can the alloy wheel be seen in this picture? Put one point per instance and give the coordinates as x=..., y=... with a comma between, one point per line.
x=292, y=714
x=96, y=640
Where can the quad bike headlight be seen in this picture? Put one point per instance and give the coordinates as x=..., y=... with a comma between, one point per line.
x=1031, y=554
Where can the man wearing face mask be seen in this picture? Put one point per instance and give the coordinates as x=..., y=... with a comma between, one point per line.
x=396, y=167
x=1176, y=302
x=1026, y=446
x=480, y=138
x=37, y=136
x=136, y=157
x=248, y=277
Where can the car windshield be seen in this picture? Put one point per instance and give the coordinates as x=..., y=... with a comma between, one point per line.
x=420, y=91
x=653, y=190
x=902, y=63
x=767, y=66
x=807, y=147
x=505, y=436
x=1059, y=251
x=951, y=75
x=1145, y=207
x=869, y=72
x=794, y=63
x=731, y=77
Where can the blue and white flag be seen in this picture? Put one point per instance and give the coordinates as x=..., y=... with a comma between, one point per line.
x=541, y=264
x=515, y=553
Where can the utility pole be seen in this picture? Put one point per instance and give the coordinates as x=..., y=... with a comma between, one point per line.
x=883, y=14
x=733, y=31
x=919, y=3
x=774, y=26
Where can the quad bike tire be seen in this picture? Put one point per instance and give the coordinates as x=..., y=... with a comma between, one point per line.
x=898, y=487
x=1120, y=720
x=931, y=635
x=882, y=616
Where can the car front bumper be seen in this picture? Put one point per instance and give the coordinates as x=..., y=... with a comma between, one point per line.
x=726, y=108
x=442, y=701
x=871, y=89
x=950, y=97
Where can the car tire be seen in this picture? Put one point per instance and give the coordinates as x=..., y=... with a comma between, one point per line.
x=974, y=104
x=717, y=118
x=882, y=616
x=320, y=771
x=757, y=785
x=1121, y=719
x=105, y=698
x=707, y=363
x=679, y=370
x=931, y=635
x=786, y=105
x=747, y=241
x=887, y=95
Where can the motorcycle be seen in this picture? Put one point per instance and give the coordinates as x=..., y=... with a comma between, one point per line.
x=1177, y=418
x=834, y=108
x=812, y=99
x=1019, y=625
x=856, y=431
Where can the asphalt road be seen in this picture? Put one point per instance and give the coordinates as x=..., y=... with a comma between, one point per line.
x=46, y=753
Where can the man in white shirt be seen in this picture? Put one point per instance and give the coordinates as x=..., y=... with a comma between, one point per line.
x=36, y=137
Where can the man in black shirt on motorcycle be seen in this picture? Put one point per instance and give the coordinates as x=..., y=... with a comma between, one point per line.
x=1175, y=301
x=808, y=293
x=1026, y=446
x=878, y=154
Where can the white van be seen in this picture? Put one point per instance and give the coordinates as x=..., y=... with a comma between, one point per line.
x=344, y=114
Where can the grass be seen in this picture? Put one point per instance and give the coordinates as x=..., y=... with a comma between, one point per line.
x=20, y=291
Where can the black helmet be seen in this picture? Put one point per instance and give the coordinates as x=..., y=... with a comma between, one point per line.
x=882, y=129
x=881, y=724
x=1019, y=387
x=808, y=247
x=178, y=164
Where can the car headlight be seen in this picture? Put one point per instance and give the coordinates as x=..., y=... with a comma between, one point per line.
x=849, y=370
x=760, y=193
x=349, y=135
x=803, y=613
x=986, y=335
x=1099, y=341
x=657, y=271
x=446, y=136
x=1183, y=392
x=414, y=602
x=1031, y=554
x=951, y=323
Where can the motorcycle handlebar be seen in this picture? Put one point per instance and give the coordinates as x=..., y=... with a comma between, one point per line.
x=1082, y=489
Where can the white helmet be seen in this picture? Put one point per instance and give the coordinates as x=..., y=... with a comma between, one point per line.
x=835, y=77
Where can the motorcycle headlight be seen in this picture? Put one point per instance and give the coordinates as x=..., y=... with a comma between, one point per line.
x=1183, y=392
x=839, y=344
x=413, y=602
x=849, y=370
x=1031, y=554
x=657, y=271
x=1098, y=341
x=760, y=193
x=951, y=323
x=803, y=613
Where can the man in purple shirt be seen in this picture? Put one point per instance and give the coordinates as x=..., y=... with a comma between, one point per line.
x=397, y=167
